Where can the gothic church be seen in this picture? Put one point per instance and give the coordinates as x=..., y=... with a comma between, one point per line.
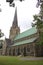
x=23, y=44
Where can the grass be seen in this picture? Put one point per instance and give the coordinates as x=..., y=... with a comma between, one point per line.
x=11, y=60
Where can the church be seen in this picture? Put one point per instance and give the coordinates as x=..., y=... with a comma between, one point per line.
x=23, y=44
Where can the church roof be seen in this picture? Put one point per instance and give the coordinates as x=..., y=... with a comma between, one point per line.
x=25, y=41
x=29, y=32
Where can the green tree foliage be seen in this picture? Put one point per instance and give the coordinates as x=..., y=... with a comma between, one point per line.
x=39, y=22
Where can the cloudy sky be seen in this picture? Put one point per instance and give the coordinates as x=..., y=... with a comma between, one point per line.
x=25, y=12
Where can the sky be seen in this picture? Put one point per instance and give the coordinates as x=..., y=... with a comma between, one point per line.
x=25, y=12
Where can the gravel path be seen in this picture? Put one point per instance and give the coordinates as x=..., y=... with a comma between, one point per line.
x=32, y=58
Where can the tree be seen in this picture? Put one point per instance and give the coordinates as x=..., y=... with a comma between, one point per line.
x=39, y=22
x=1, y=34
x=11, y=2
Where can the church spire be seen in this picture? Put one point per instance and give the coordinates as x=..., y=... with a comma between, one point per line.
x=15, y=23
x=15, y=30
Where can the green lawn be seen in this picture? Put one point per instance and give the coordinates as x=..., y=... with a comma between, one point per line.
x=11, y=60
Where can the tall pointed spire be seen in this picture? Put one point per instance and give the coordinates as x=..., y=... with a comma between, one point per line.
x=15, y=23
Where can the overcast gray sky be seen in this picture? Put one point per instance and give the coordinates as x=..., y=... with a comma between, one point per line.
x=25, y=12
